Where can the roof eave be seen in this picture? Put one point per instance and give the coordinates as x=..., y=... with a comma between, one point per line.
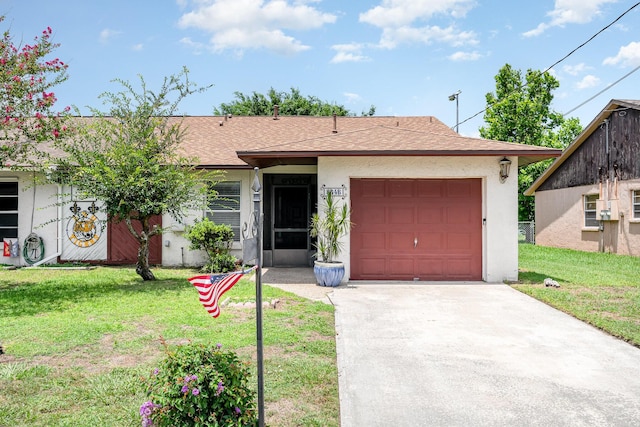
x=593, y=125
x=272, y=158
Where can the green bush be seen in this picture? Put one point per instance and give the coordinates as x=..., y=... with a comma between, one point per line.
x=215, y=240
x=197, y=385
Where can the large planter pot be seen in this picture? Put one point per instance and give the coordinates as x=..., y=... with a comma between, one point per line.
x=328, y=273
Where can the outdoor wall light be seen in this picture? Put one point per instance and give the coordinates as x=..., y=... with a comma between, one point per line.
x=505, y=165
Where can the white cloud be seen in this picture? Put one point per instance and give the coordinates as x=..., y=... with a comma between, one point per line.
x=137, y=47
x=348, y=53
x=255, y=24
x=107, y=34
x=574, y=70
x=587, y=82
x=391, y=37
x=628, y=56
x=352, y=97
x=398, y=20
x=465, y=56
x=400, y=13
x=195, y=47
x=570, y=12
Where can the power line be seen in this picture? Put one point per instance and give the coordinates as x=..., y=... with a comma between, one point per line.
x=604, y=90
x=568, y=55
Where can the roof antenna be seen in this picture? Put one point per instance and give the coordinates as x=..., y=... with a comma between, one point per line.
x=335, y=123
x=275, y=112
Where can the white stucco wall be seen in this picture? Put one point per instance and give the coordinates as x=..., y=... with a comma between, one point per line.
x=39, y=219
x=500, y=200
x=175, y=247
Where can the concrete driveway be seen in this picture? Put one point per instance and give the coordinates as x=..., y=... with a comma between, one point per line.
x=476, y=355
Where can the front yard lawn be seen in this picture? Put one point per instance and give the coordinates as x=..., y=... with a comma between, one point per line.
x=598, y=288
x=77, y=343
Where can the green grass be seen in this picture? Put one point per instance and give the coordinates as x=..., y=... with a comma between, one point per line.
x=598, y=288
x=78, y=342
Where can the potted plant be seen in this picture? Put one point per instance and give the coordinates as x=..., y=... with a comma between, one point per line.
x=329, y=228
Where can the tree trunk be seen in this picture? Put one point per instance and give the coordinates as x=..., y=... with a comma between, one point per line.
x=142, y=266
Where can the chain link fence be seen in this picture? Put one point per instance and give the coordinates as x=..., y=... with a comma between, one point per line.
x=527, y=232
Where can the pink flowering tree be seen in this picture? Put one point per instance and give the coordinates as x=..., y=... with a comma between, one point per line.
x=28, y=74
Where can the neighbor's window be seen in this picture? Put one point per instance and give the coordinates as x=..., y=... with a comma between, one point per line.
x=8, y=209
x=636, y=204
x=225, y=208
x=590, y=219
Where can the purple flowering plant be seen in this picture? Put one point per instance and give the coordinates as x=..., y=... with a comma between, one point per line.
x=197, y=385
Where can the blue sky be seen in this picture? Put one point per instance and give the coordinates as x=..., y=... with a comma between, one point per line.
x=403, y=56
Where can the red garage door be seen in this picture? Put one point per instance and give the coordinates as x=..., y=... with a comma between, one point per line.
x=416, y=229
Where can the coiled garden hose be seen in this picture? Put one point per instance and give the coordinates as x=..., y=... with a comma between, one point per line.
x=33, y=249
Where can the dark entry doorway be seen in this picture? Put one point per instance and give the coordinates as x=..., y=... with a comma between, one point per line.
x=288, y=205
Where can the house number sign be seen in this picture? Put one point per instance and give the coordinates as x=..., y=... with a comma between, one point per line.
x=335, y=191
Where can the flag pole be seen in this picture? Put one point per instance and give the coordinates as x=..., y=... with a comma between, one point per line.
x=258, y=215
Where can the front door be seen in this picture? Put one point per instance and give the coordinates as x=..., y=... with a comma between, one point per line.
x=290, y=227
x=287, y=215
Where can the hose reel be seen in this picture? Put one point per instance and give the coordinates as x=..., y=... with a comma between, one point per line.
x=33, y=249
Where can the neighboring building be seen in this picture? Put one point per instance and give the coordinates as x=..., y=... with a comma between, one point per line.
x=427, y=203
x=589, y=198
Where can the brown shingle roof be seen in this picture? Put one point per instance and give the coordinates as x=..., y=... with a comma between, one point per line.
x=236, y=142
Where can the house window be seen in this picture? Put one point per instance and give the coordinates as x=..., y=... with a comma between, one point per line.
x=590, y=217
x=8, y=210
x=225, y=208
x=636, y=204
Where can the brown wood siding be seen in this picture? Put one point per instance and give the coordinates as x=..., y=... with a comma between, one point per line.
x=424, y=229
x=591, y=160
x=122, y=247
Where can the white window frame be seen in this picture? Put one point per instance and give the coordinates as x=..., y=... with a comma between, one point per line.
x=590, y=212
x=635, y=205
x=16, y=212
x=226, y=205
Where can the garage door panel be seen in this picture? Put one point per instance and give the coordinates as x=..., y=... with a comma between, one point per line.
x=431, y=267
x=459, y=215
x=459, y=242
x=374, y=267
x=431, y=229
x=373, y=215
x=400, y=188
x=400, y=241
x=430, y=215
x=462, y=268
x=372, y=188
x=460, y=189
x=373, y=241
x=431, y=188
x=398, y=266
x=431, y=242
x=401, y=215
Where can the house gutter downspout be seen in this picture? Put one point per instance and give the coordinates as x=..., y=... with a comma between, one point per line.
x=59, y=239
x=607, y=188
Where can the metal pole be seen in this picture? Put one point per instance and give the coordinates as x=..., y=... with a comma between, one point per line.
x=457, y=116
x=258, y=214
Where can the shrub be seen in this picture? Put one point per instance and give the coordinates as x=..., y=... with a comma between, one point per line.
x=215, y=240
x=197, y=385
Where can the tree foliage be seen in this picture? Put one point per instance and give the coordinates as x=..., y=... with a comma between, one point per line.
x=27, y=75
x=289, y=104
x=520, y=111
x=129, y=159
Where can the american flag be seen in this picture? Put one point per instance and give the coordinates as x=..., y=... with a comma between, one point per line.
x=211, y=287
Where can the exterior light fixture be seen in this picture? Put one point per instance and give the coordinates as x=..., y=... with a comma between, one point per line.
x=505, y=165
x=454, y=97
